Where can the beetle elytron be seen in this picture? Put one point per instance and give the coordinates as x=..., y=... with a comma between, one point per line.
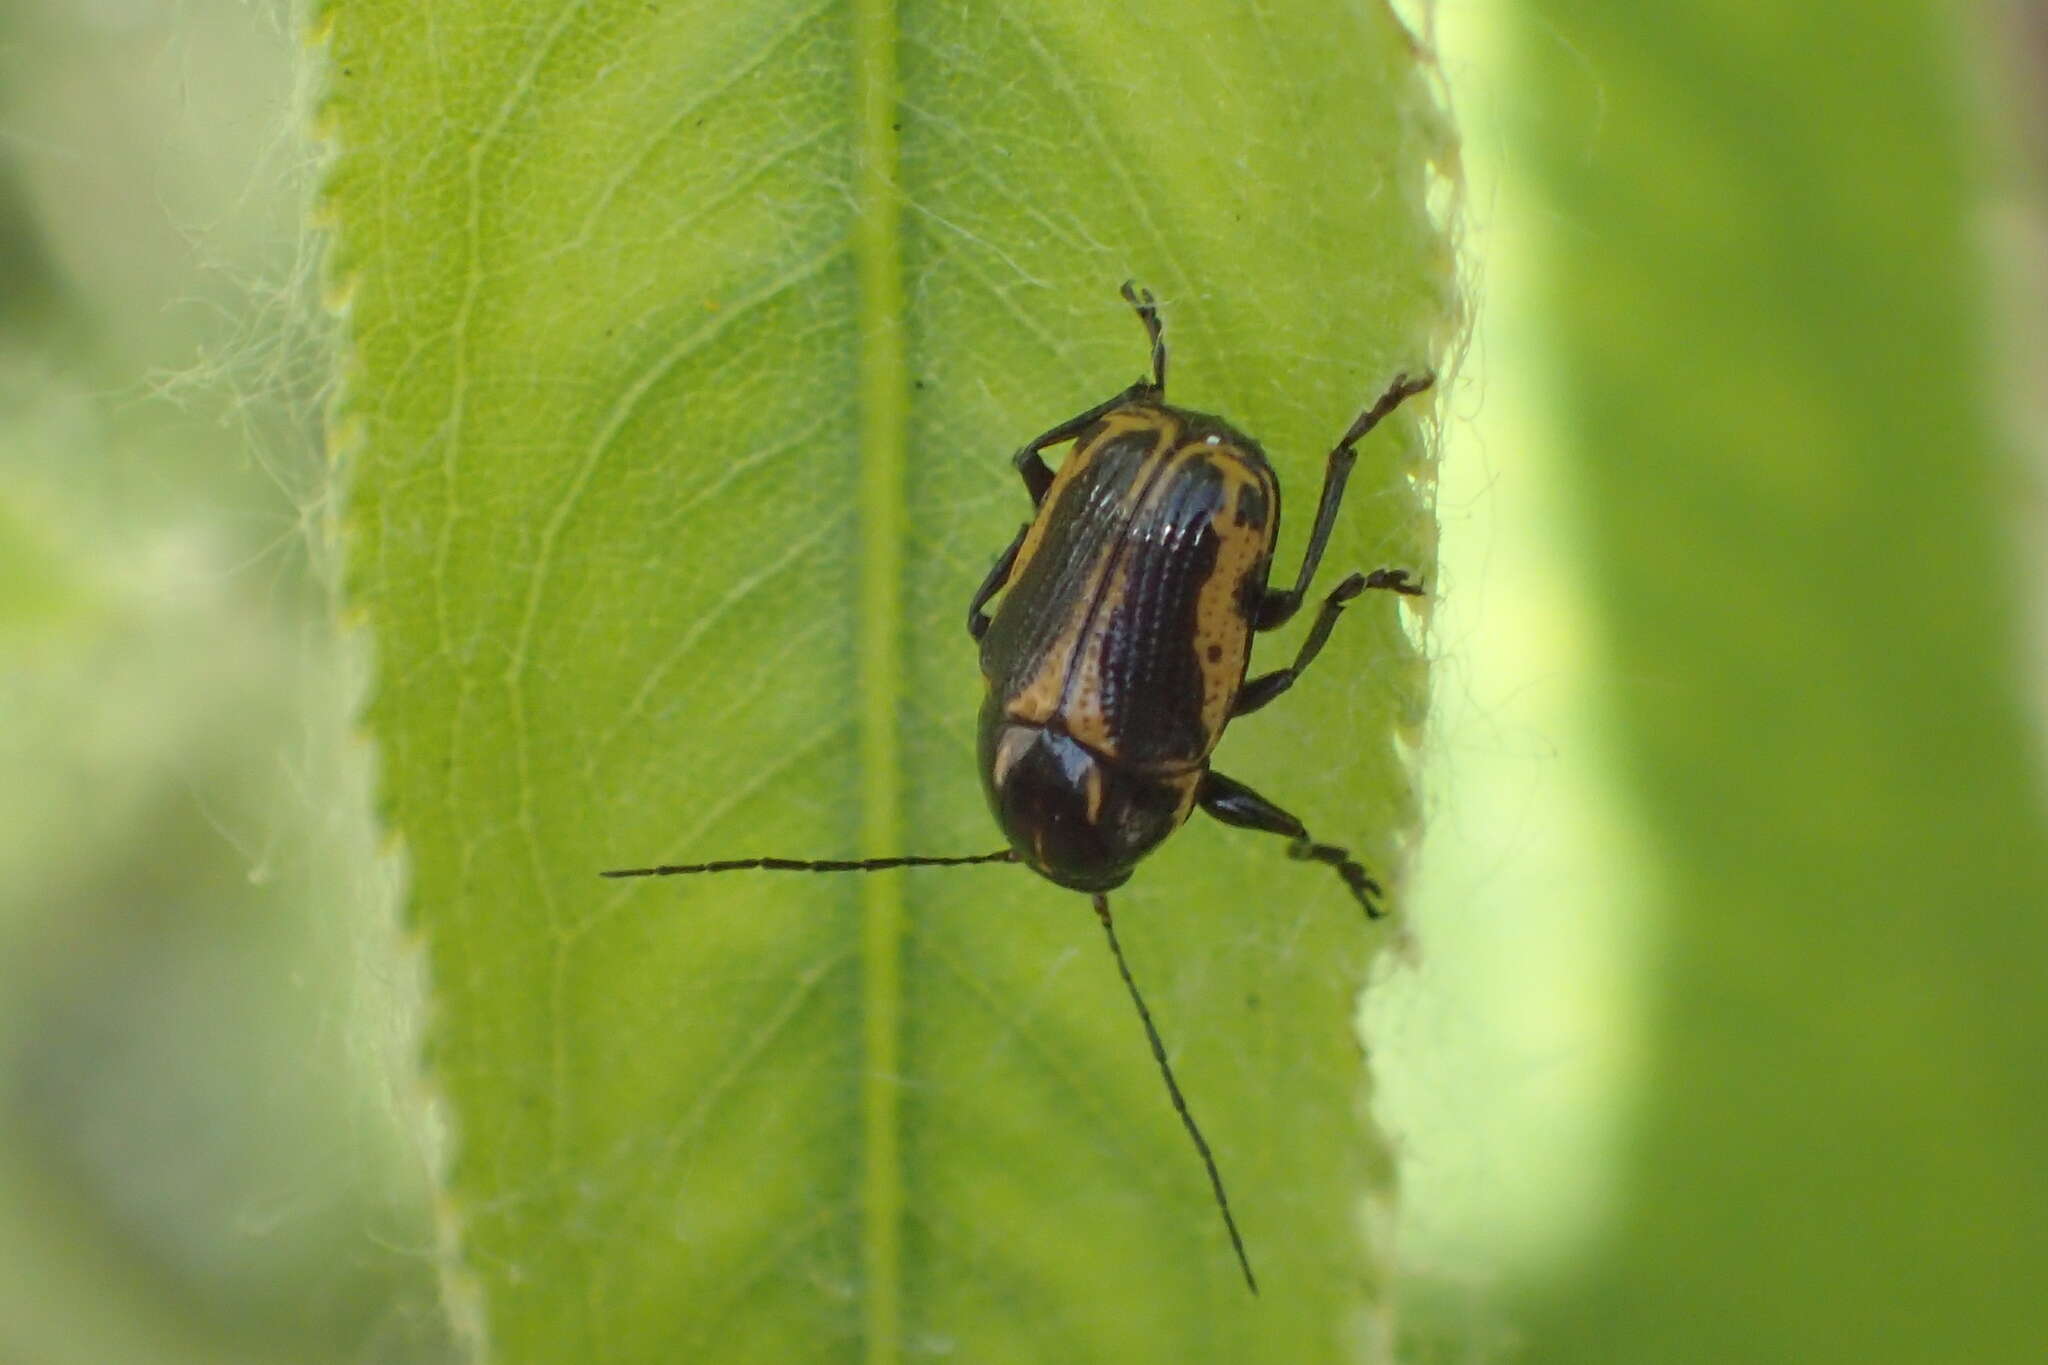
x=1119, y=653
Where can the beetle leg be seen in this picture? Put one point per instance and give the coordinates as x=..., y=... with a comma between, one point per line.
x=1266, y=686
x=1037, y=477
x=1234, y=803
x=1280, y=604
x=1155, y=331
x=1262, y=689
x=977, y=619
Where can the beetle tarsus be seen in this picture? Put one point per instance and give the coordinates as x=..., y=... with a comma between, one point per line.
x=1232, y=802
x=1400, y=391
x=1278, y=607
x=1394, y=580
x=1155, y=330
x=1363, y=888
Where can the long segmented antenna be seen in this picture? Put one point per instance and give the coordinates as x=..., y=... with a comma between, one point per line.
x=1180, y=1104
x=1007, y=855
x=1101, y=901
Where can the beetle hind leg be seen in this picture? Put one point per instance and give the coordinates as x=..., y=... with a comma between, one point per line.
x=1280, y=604
x=1030, y=463
x=1234, y=803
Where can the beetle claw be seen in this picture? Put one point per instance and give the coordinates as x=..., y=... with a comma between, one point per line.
x=1356, y=879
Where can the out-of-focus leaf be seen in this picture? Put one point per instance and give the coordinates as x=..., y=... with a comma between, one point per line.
x=1767, y=286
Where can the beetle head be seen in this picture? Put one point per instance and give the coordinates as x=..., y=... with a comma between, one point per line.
x=1073, y=816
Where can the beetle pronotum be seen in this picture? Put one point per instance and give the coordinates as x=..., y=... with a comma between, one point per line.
x=1118, y=654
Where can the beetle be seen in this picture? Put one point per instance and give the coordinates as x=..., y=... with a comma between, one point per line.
x=1120, y=651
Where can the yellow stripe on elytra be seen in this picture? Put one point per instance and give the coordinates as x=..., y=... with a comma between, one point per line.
x=1114, y=425
x=1223, y=628
x=1222, y=632
x=1038, y=698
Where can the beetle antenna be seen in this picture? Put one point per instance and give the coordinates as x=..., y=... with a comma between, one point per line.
x=1007, y=855
x=1148, y=313
x=1180, y=1104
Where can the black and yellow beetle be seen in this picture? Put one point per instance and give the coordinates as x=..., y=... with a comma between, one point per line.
x=1120, y=650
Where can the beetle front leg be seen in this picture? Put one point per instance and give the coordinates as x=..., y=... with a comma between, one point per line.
x=1280, y=604
x=1234, y=803
x=1266, y=686
x=977, y=619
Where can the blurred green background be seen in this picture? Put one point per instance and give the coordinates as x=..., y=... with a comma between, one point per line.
x=1721, y=1034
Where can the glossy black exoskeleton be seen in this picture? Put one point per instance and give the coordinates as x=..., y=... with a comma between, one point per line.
x=1119, y=651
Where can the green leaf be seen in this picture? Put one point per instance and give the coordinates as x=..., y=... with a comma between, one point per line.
x=688, y=344
x=1764, y=244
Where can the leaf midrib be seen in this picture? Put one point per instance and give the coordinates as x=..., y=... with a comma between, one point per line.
x=884, y=421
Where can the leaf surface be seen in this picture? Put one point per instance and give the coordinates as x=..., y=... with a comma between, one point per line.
x=688, y=345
